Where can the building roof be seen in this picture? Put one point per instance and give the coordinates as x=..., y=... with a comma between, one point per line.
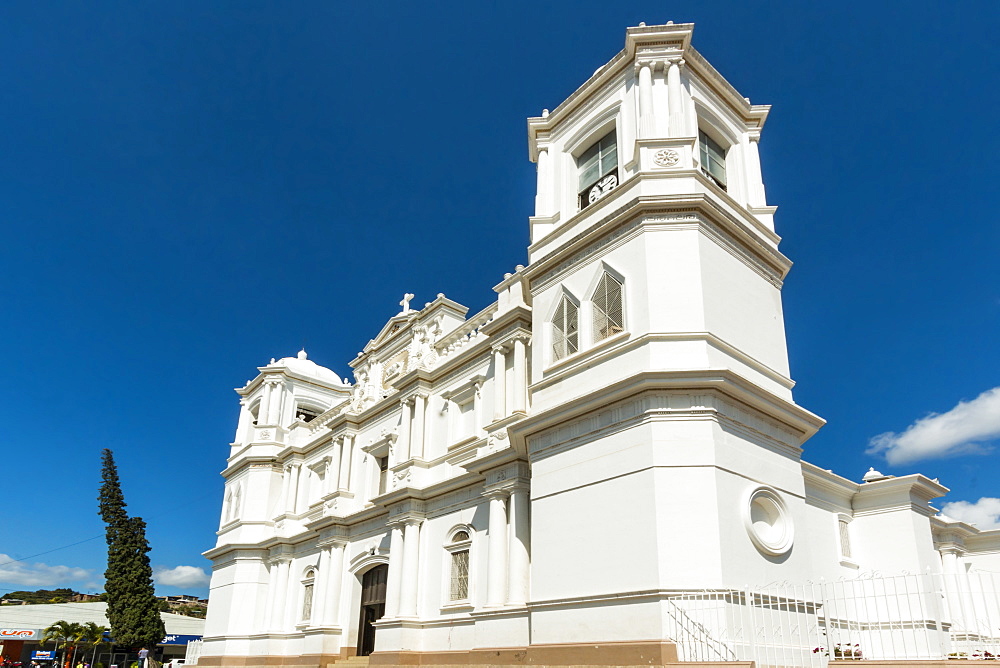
x=41, y=616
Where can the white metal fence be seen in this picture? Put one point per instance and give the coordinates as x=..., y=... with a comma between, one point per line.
x=193, y=652
x=926, y=616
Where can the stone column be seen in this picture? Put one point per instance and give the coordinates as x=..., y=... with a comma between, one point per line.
x=755, y=182
x=243, y=432
x=333, y=582
x=419, y=414
x=646, y=118
x=477, y=408
x=264, y=412
x=410, y=575
x=402, y=449
x=496, y=582
x=274, y=412
x=295, y=472
x=520, y=547
x=346, y=453
x=675, y=98
x=286, y=482
x=280, y=585
x=333, y=467
x=499, y=382
x=520, y=376
x=543, y=193
x=321, y=588
x=395, y=572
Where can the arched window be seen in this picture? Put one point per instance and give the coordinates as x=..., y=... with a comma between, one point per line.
x=459, y=546
x=307, y=594
x=609, y=316
x=565, y=329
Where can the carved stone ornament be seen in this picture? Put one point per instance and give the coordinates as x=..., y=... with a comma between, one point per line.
x=265, y=435
x=666, y=157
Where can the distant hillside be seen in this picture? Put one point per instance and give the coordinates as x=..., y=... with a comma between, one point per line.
x=43, y=596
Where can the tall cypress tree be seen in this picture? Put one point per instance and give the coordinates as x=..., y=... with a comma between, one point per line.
x=133, y=608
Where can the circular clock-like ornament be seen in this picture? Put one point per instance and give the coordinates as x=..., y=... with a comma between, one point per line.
x=666, y=157
x=602, y=188
x=768, y=521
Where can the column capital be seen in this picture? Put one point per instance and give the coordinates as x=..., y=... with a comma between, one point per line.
x=496, y=493
x=499, y=348
x=754, y=135
x=644, y=62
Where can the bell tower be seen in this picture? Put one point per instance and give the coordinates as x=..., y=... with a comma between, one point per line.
x=660, y=388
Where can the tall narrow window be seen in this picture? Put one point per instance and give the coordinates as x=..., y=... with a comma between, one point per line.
x=598, y=168
x=845, y=539
x=609, y=317
x=565, y=329
x=307, y=595
x=383, y=474
x=713, y=159
x=459, y=549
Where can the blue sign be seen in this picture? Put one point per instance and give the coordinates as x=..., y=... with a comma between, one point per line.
x=43, y=655
x=178, y=640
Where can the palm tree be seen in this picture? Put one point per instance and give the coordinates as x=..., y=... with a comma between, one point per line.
x=62, y=632
x=92, y=634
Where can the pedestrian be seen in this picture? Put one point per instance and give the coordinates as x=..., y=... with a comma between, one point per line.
x=143, y=654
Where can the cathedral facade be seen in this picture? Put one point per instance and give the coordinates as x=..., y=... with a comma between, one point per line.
x=549, y=481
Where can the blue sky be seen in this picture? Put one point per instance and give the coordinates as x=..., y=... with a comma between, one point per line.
x=189, y=189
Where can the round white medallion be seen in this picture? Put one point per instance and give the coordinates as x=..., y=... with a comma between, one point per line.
x=666, y=157
x=768, y=522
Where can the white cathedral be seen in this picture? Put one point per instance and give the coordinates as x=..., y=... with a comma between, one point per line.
x=602, y=467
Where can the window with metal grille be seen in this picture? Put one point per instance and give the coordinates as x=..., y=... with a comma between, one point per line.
x=845, y=539
x=713, y=159
x=307, y=595
x=609, y=317
x=565, y=329
x=460, y=575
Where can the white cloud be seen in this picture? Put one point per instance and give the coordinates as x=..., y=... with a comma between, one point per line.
x=181, y=576
x=40, y=575
x=984, y=513
x=965, y=429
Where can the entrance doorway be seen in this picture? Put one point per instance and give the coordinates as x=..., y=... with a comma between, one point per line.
x=372, y=606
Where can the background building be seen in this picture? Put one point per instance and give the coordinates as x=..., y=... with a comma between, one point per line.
x=603, y=466
x=22, y=626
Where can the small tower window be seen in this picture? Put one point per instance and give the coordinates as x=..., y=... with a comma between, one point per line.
x=598, y=168
x=713, y=159
x=565, y=329
x=383, y=474
x=608, y=308
x=306, y=414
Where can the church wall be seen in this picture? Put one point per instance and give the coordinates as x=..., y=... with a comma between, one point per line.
x=593, y=518
x=880, y=535
x=674, y=280
x=743, y=309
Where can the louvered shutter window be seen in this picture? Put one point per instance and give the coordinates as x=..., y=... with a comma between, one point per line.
x=565, y=329
x=608, y=308
x=845, y=539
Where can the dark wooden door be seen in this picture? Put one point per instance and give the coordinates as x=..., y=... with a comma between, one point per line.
x=372, y=607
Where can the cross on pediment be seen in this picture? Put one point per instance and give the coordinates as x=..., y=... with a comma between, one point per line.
x=406, y=302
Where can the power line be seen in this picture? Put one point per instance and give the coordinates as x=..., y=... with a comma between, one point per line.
x=55, y=549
